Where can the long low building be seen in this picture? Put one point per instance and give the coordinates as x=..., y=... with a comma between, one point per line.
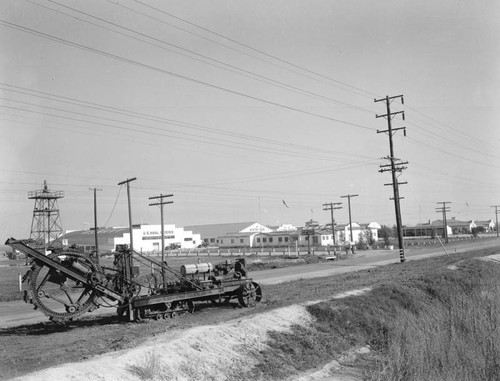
x=453, y=227
x=236, y=234
x=147, y=238
x=253, y=234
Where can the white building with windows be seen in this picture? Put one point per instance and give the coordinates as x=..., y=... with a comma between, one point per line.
x=147, y=238
x=343, y=233
x=237, y=234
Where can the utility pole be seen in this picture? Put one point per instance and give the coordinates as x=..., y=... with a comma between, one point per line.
x=128, y=258
x=443, y=210
x=496, y=217
x=348, y=196
x=331, y=206
x=161, y=203
x=395, y=166
x=95, y=223
x=128, y=181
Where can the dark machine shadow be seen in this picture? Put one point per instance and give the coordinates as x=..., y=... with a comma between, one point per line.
x=49, y=327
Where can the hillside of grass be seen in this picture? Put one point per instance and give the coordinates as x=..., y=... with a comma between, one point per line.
x=440, y=326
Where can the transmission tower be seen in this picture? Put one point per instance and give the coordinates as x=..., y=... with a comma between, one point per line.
x=46, y=224
x=395, y=166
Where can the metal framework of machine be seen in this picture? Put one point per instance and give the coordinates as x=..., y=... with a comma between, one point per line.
x=66, y=284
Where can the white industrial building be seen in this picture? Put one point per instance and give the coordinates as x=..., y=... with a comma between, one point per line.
x=147, y=238
x=343, y=233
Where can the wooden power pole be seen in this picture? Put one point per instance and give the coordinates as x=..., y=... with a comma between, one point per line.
x=496, y=217
x=161, y=203
x=331, y=206
x=395, y=166
x=443, y=210
x=349, y=196
x=95, y=223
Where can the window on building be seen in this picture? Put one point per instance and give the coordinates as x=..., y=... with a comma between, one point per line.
x=280, y=239
x=212, y=240
x=258, y=240
x=188, y=239
x=270, y=239
x=232, y=240
x=264, y=239
x=241, y=240
x=286, y=239
x=221, y=241
x=206, y=240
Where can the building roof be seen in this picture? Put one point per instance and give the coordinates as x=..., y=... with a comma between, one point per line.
x=484, y=223
x=370, y=225
x=430, y=224
x=239, y=235
x=87, y=237
x=439, y=224
x=355, y=226
x=454, y=222
x=217, y=230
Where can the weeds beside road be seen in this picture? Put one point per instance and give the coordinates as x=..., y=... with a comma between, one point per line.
x=426, y=322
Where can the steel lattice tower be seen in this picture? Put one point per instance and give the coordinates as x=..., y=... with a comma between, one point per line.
x=46, y=225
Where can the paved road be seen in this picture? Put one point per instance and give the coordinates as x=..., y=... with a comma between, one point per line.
x=19, y=313
x=364, y=260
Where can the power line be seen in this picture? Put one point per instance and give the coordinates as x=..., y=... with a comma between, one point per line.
x=454, y=131
x=440, y=150
x=172, y=74
x=254, y=49
x=305, y=75
x=218, y=63
x=114, y=206
x=174, y=134
x=148, y=117
x=447, y=140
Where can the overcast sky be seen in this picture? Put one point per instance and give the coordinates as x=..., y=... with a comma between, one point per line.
x=237, y=106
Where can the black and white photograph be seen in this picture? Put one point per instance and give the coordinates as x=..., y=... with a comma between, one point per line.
x=249, y=190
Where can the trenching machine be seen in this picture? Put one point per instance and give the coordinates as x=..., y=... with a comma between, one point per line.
x=67, y=283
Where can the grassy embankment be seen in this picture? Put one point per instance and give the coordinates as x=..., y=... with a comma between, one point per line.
x=439, y=325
